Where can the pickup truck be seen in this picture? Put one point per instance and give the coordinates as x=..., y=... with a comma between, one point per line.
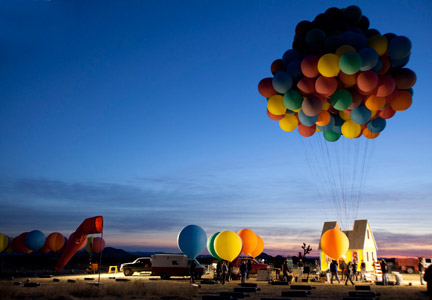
x=255, y=265
x=141, y=264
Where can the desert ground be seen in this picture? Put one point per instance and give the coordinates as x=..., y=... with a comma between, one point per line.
x=143, y=286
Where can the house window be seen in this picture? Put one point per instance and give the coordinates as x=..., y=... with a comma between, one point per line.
x=367, y=231
x=367, y=256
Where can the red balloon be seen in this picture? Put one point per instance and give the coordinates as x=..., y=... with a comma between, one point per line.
x=305, y=130
x=386, y=86
x=357, y=99
x=387, y=113
x=274, y=117
x=98, y=244
x=326, y=86
x=277, y=66
x=405, y=79
x=18, y=244
x=309, y=66
x=367, y=81
x=306, y=86
x=265, y=87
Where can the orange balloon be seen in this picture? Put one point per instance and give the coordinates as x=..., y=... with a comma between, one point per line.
x=306, y=86
x=375, y=103
x=367, y=81
x=370, y=135
x=309, y=66
x=306, y=131
x=249, y=239
x=55, y=241
x=334, y=243
x=387, y=113
x=402, y=101
x=348, y=80
x=259, y=247
x=326, y=85
x=323, y=118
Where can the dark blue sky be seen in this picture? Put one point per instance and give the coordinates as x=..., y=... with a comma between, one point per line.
x=147, y=112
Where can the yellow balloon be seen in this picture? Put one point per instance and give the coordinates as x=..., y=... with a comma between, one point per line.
x=228, y=245
x=350, y=129
x=344, y=49
x=288, y=123
x=374, y=112
x=344, y=115
x=275, y=105
x=379, y=43
x=326, y=105
x=328, y=65
x=4, y=241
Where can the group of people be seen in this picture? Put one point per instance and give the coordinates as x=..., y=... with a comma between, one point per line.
x=224, y=271
x=349, y=271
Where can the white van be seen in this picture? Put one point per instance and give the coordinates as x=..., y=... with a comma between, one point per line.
x=426, y=261
x=167, y=265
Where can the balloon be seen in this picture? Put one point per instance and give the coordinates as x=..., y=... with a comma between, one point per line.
x=376, y=125
x=18, y=244
x=306, y=86
x=4, y=242
x=306, y=131
x=326, y=86
x=332, y=43
x=323, y=118
x=337, y=127
x=282, y=82
x=288, y=123
x=275, y=105
x=306, y=120
x=402, y=101
x=347, y=80
x=334, y=243
x=404, y=79
x=291, y=55
x=352, y=14
x=274, y=117
x=309, y=66
x=361, y=115
x=370, y=135
x=385, y=65
x=228, y=245
x=369, y=58
x=357, y=99
x=277, y=66
x=265, y=87
x=249, y=240
x=331, y=136
x=350, y=62
x=344, y=49
x=328, y=65
x=386, y=86
x=315, y=36
x=192, y=240
x=210, y=245
x=341, y=99
x=399, y=47
x=379, y=44
x=34, y=240
x=294, y=69
x=259, y=248
x=329, y=126
x=367, y=81
x=375, y=103
x=345, y=115
x=292, y=99
x=387, y=113
x=311, y=106
x=98, y=244
x=351, y=130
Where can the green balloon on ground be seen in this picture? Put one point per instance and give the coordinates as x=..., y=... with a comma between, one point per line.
x=350, y=62
x=292, y=99
x=210, y=245
x=341, y=99
x=331, y=136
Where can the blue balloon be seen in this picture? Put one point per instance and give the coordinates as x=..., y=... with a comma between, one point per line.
x=291, y=55
x=294, y=69
x=282, y=82
x=338, y=124
x=315, y=36
x=361, y=114
x=34, y=240
x=399, y=63
x=192, y=240
x=329, y=126
x=306, y=120
x=376, y=125
x=399, y=47
x=369, y=59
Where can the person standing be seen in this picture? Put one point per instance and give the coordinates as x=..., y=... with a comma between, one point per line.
x=334, y=271
x=224, y=272
x=428, y=278
x=349, y=273
x=230, y=269
x=384, y=269
x=192, y=271
x=343, y=267
x=243, y=271
x=355, y=266
x=249, y=268
x=285, y=271
x=421, y=270
x=301, y=268
x=362, y=270
x=218, y=270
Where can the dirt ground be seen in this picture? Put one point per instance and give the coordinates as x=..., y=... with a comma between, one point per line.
x=142, y=286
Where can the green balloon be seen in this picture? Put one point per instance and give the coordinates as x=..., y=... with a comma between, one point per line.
x=350, y=62
x=331, y=136
x=292, y=99
x=341, y=99
x=210, y=245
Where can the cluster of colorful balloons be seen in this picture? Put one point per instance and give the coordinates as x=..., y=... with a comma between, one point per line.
x=334, y=243
x=226, y=245
x=339, y=78
x=35, y=240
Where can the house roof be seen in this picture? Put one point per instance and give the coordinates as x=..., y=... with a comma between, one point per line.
x=356, y=236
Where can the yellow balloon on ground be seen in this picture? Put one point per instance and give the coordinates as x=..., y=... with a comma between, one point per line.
x=334, y=243
x=259, y=248
x=275, y=105
x=4, y=242
x=350, y=129
x=379, y=43
x=328, y=65
x=344, y=49
x=288, y=123
x=228, y=245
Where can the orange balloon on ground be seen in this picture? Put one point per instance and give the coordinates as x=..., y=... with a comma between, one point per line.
x=334, y=243
x=55, y=241
x=249, y=239
x=259, y=247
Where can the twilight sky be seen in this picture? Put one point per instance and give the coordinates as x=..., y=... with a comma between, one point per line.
x=147, y=113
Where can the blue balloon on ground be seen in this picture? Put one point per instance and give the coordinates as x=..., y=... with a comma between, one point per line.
x=34, y=240
x=376, y=125
x=306, y=120
x=192, y=240
x=282, y=82
x=361, y=114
